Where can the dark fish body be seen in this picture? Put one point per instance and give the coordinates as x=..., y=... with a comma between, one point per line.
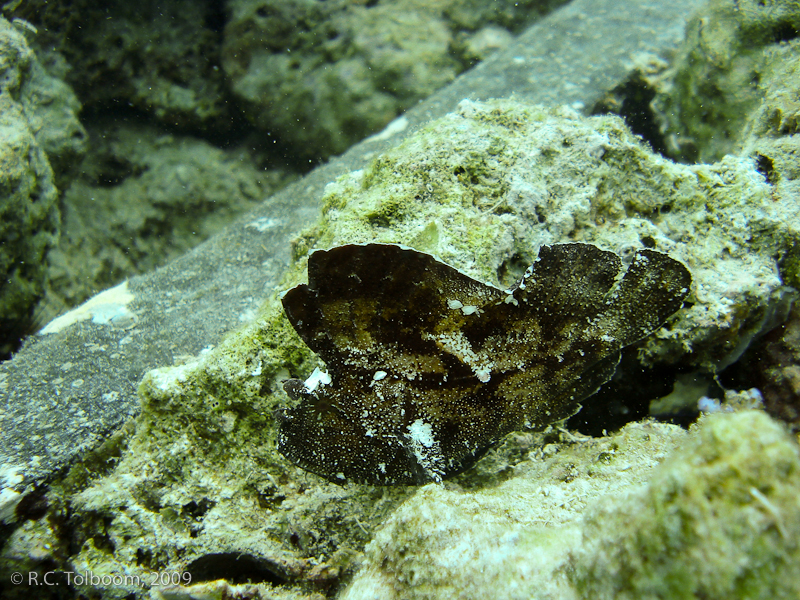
x=429, y=368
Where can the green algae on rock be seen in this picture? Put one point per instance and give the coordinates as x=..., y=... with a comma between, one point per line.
x=183, y=188
x=429, y=368
x=733, y=57
x=324, y=75
x=650, y=512
x=39, y=127
x=719, y=519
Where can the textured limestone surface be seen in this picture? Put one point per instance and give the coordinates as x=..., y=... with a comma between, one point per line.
x=325, y=75
x=38, y=126
x=79, y=383
x=735, y=67
x=158, y=58
x=652, y=512
x=144, y=197
x=733, y=88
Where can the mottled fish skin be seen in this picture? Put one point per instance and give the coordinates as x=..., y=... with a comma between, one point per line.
x=430, y=368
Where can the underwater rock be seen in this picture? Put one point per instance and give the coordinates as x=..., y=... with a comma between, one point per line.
x=725, y=73
x=718, y=519
x=650, y=512
x=430, y=368
x=160, y=59
x=482, y=188
x=324, y=75
x=28, y=197
x=138, y=179
x=773, y=364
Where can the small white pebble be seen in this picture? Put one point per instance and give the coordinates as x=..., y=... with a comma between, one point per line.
x=454, y=304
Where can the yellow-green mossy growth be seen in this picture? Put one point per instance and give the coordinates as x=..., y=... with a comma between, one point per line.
x=719, y=519
x=483, y=187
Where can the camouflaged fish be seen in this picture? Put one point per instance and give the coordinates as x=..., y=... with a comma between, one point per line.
x=428, y=368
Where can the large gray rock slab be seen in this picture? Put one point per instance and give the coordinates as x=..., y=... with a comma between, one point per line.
x=75, y=382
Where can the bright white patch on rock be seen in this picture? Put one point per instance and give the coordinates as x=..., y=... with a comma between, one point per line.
x=9, y=498
x=379, y=375
x=10, y=475
x=709, y=405
x=316, y=378
x=264, y=223
x=469, y=309
x=8, y=503
x=169, y=379
x=454, y=304
x=396, y=126
x=106, y=308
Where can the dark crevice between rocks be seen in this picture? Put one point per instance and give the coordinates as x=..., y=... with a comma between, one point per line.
x=14, y=331
x=765, y=166
x=632, y=101
x=228, y=132
x=771, y=365
x=215, y=17
x=511, y=270
x=784, y=32
x=236, y=568
x=627, y=397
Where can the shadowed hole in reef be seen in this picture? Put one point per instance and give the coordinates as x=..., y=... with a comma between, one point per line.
x=193, y=513
x=766, y=167
x=510, y=271
x=627, y=396
x=236, y=568
x=631, y=100
x=784, y=32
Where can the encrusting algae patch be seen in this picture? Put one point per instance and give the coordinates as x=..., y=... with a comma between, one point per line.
x=651, y=512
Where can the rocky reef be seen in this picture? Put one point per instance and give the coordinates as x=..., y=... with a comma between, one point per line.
x=651, y=512
x=198, y=475
x=42, y=132
x=193, y=487
x=332, y=73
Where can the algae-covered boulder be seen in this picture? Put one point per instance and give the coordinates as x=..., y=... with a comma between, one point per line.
x=718, y=518
x=323, y=75
x=29, y=216
x=734, y=55
x=159, y=58
x=144, y=197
